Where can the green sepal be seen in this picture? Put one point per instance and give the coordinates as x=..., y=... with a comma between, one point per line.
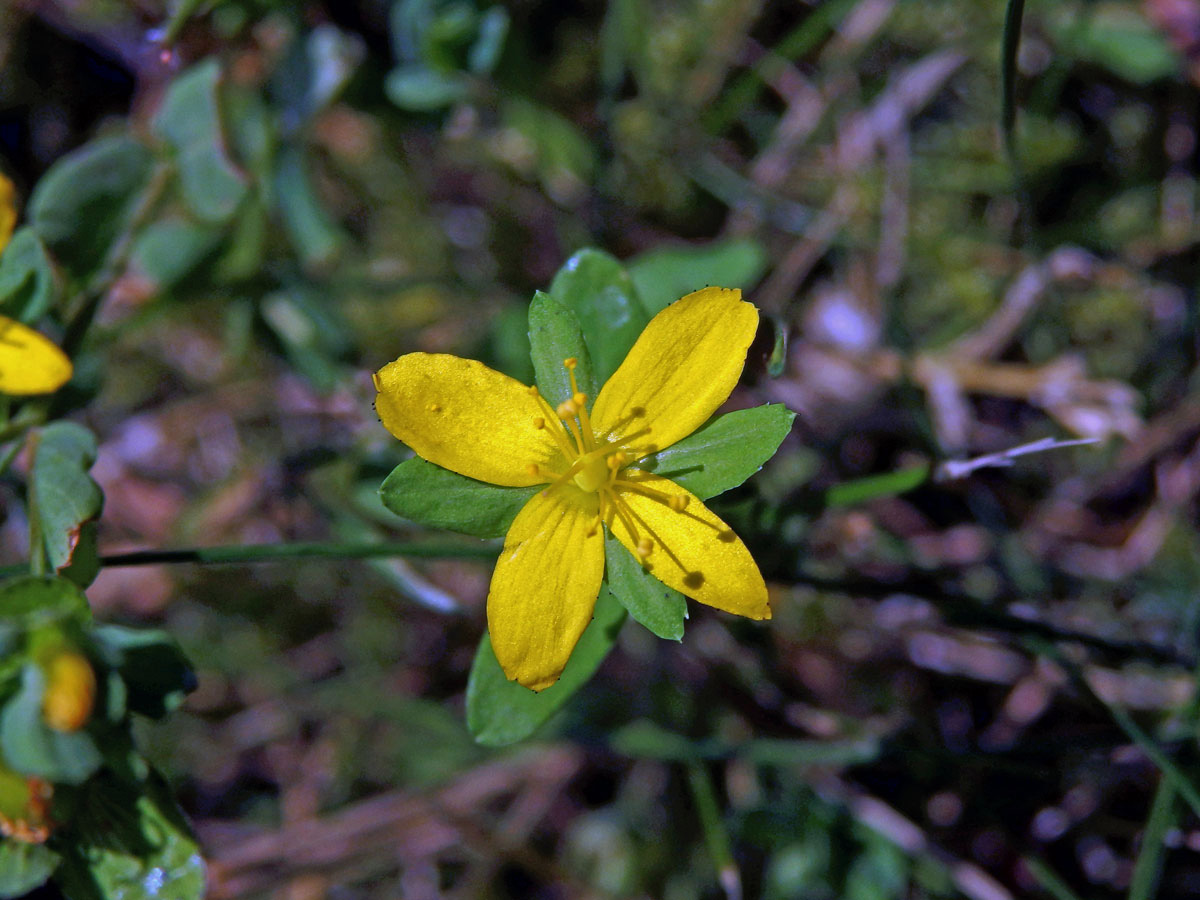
x=658, y=607
x=554, y=336
x=33, y=602
x=596, y=287
x=33, y=748
x=502, y=712
x=438, y=498
x=724, y=452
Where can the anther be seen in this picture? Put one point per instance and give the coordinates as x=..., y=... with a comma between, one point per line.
x=678, y=503
x=533, y=469
x=567, y=410
x=434, y=407
x=539, y=423
x=570, y=362
x=533, y=391
x=644, y=546
x=579, y=399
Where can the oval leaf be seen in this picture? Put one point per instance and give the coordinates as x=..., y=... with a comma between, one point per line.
x=554, y=336
x=724, y=452
x=596, y=287
x=438, y=498
x=62, y=494
x=660, y=608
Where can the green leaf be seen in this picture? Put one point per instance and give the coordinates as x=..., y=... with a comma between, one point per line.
x=492, y=30
x=419, y=89
x=27, y=284
x=87, y=199
x=501, y=712
x=157, y=675
x=554, y=336
x=600, y=292
x=312, y=232
x=723, y=453
x=31, y=602
x=660, y=608
x=438, y=498
x=131, y=846
x=170, y=251
x=1121, y=40
x=190, y=122
x=24, y=867
x=32, y=748
x=63, y=495
x=860, y=490
x=663, y=275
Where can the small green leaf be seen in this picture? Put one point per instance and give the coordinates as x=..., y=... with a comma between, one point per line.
x=131, y=846
x=665, y=274
x=438, y=498
x=723, y=453
x=32, y=748
x=312, y=231
x=64, y=496
x=554, y=336
x=501, y=712
x=156, y=673
x=27, y=284
x=419, y=89
x=660, y=608
x=31, y=602
x=87, y=198
x=860, y=490
x=170, y=251
x=190, y=122
x=600, y=292
x=489, y=42
x=24, y=867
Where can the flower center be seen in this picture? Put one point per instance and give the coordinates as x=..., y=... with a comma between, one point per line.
x=596, y=466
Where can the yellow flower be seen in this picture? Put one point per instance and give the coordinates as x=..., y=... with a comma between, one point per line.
x=463, y=416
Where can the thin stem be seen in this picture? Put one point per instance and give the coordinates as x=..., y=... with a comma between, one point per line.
x=264, y=553
x=1146, y=871
x=715, y=835
x=254, y=553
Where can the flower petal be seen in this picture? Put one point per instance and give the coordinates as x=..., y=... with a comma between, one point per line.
x=545, y=585
x=463, y=416
x=681, y=369
x=29, y=362
x=694, y=551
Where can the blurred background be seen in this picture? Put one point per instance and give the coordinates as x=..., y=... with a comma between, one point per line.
x=971, y=687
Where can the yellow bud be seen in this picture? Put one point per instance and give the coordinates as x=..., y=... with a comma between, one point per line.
x=70, y=691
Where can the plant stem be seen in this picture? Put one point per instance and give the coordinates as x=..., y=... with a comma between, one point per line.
x=254, y=553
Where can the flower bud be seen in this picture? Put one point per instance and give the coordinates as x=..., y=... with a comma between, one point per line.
x=70, y=691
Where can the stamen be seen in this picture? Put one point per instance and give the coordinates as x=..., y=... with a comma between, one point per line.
x=539, y=422
x=645, y=545
x=563, y=478
x=533, y=469
x=434, y=407
x=579, y=399
x=567, y=410
x=571, y=362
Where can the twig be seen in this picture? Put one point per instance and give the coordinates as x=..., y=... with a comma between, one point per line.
x=953, y=469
